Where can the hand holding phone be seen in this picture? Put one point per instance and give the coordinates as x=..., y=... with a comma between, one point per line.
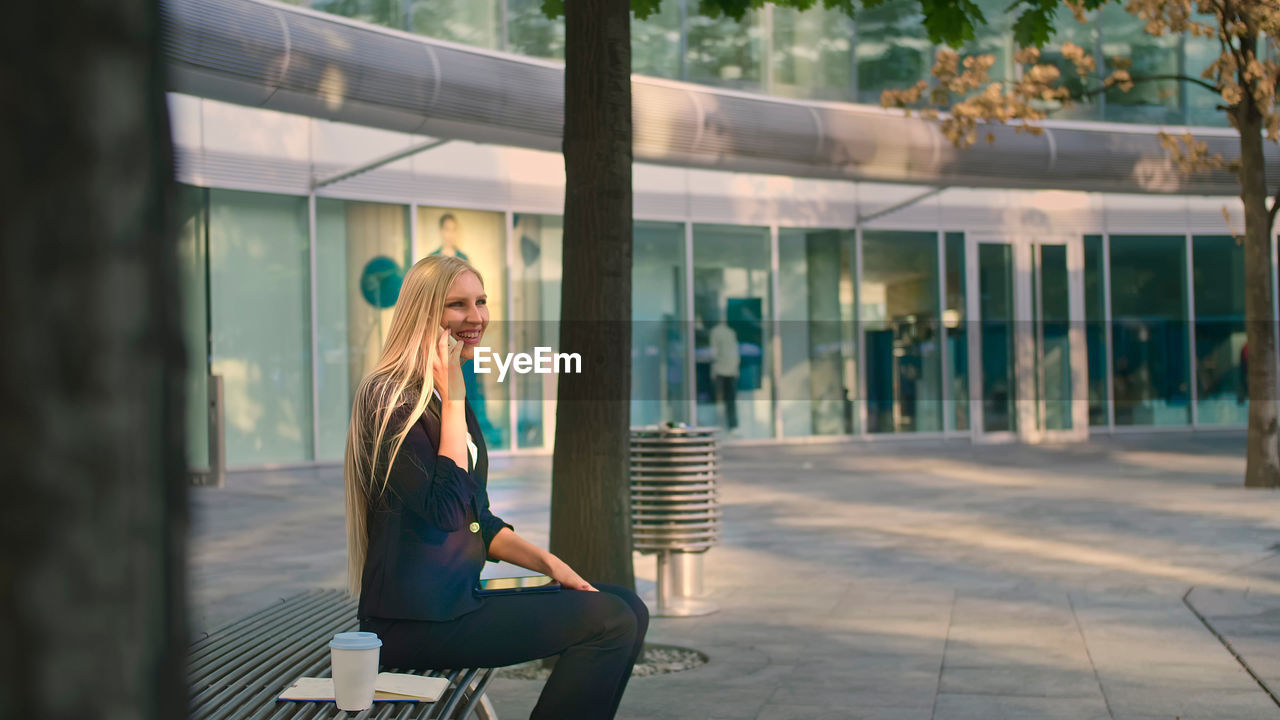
x=446, y=371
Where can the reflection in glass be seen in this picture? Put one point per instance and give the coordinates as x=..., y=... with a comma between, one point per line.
x=655, y=42
x=1201, y=103
x=731, y=325
x=724, y=52
x=899, y=301
x=362, y=253
x=893, y=49
x=1222, y=392
x=530, y=32
x=1095, y=329
x=813, y=54
x=260, y=342
x=1149, y=330
x=1052, y=337
x=995, y=307
x=1083, y=106
x=473, y=22
x=480, y=238
x=816, y=285
x=535, y=287
x=1155, y=101
x=995, y=38
x=193, y=254
x=955, y=323
x=388, y=13
x=659, y=333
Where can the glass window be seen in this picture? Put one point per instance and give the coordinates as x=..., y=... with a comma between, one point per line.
x=478, y=237
x=1218, y=270
x=1086, y=36
x=260, y=302
x=655, y=42
x=813, y=54
x=1095, y=329
x=995, y=307
x=193, y=258
x=1154, y=102
x=530, y=32
x=388, y=13
x=955, y=321
x=473, y=22
x=1149, y=330
x=900, y=304
x=994, y=38
x=535, y=295
x=659, y=332
x=722, y=51
x=1202, y=103
x=816, y=282
x=731, y=322
x=893, y=49
x=362, y=254
x=1051, y=294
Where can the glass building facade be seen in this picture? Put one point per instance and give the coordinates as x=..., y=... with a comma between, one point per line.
x=949, y=318
x=840, y=332
x=822, y=54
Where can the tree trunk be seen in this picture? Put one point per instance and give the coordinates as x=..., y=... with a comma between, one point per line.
x=91, y=406
x=590, y=492
x=1263, y=455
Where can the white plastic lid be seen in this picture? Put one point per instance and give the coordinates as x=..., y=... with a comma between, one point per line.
x=355, y=641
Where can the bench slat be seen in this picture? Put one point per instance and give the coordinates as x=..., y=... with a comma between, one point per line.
x=238, y=669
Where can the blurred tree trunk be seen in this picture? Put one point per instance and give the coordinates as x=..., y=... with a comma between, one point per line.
x=94, y=512
x=1262, y=467
x=590, y=494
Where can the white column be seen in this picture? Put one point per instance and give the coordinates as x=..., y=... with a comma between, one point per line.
x=315, y=327
x=775, y=342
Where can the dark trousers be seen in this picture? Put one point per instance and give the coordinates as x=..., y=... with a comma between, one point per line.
x=598, y=636
x=728, y=385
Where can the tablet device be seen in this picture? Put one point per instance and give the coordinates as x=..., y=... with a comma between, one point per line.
x=517, y=585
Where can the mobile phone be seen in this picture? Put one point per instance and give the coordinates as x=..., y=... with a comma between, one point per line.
x=513, y=585
x=453, y=341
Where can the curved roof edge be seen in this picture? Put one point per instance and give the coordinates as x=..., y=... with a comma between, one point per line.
x=275, y=56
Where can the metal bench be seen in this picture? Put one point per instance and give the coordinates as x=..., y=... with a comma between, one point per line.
x=237, y=671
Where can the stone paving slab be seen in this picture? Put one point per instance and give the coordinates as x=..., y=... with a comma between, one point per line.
x=1009, y=707
x=903, y=581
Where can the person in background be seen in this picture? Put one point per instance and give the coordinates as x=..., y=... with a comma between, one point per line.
x=725, y=363
x=449, y=236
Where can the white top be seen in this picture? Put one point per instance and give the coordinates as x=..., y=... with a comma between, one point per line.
x=724, y=351
x=472, y=451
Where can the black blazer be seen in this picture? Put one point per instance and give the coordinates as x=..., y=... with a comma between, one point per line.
x=429, y=533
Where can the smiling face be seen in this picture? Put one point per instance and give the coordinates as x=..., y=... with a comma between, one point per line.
x=466, y=312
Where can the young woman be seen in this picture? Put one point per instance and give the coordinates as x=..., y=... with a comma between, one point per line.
x=419, y=528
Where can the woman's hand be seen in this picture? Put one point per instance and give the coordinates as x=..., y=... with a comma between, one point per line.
x=568, y=579
x=512, y=548
x=446, y=370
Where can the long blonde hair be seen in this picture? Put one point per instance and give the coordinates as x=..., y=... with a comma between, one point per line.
x=401, y=377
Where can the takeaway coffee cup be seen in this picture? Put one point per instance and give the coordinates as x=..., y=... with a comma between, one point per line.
x=354, y=656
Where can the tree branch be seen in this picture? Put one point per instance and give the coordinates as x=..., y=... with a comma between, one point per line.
x=1152, y=78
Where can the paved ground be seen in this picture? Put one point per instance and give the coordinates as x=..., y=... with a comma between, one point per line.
x=1129, y=578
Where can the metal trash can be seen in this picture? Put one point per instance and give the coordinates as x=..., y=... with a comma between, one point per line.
x=675, y=510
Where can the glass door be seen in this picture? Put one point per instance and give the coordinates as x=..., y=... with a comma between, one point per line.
x=992, y=341
x=1027, y=351
x=1058, y=365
